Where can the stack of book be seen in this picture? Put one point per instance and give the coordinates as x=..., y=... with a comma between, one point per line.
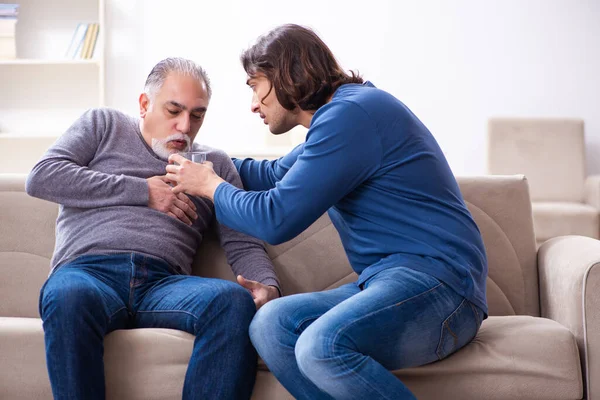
x=83, y=42
x=8, y=24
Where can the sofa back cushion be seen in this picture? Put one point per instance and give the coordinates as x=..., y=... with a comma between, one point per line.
x=19, y=153
x=501, y=207
x=26, y=245
x=313, y=261
x=549, y=152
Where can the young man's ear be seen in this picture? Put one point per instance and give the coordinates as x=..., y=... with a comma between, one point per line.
x=144, y=104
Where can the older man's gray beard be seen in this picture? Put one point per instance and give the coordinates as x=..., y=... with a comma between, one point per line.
x=159, y=146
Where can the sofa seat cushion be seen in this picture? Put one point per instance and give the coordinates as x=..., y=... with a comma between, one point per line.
x=141, y=364
x=559, y=219
x=23, y=373
x=514, y=357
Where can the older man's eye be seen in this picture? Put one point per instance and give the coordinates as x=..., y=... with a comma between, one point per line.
x=173, y=112
x=197, y=116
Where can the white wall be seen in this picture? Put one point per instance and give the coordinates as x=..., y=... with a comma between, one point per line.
x=454, y=63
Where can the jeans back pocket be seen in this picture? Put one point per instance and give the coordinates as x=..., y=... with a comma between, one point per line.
x=458, y=329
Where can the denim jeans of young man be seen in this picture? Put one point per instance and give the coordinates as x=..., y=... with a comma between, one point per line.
x=84, y=300
x=342, y=343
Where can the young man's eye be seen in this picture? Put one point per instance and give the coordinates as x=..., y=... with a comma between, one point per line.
x=173, y=112
x=197, y=117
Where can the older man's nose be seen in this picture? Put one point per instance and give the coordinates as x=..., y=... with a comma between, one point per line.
x=183, y=124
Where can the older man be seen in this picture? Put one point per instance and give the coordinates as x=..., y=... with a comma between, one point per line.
x=125, y=244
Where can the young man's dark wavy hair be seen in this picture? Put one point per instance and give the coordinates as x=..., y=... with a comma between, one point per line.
x=299, y=65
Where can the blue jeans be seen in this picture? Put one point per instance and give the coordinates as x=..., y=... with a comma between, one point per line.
x=84, y=300
x=342, y=343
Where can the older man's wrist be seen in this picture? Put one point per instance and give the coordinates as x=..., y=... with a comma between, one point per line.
x=277, y=291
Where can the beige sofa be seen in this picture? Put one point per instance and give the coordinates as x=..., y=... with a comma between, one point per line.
x=550, y=152
x=542, y=340
x=19, y=153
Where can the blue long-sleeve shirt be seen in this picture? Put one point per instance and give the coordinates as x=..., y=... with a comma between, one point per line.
x=385, y=183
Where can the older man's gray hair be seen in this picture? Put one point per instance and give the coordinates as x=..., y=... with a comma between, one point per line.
x=183, y=66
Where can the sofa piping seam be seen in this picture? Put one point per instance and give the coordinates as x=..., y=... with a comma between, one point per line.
x=585, y=326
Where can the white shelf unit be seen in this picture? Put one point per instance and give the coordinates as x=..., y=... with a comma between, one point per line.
x=38, y=61
x=41, y=91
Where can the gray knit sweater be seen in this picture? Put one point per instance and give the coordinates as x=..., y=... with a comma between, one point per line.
x=97, y=172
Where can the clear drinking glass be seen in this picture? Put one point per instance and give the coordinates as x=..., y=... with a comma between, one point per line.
x=195, y=156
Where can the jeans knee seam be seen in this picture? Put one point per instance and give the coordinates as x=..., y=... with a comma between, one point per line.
x=298, y=325
x=194, y=325
x=168, y=311
x=110, y=317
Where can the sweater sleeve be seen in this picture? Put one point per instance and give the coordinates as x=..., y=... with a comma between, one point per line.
x=341, y=151
x=245, y=254
x=63, y=175
x=264, y=174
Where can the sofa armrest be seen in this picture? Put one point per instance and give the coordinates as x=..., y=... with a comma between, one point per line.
x=592, y=191
x=569, y=274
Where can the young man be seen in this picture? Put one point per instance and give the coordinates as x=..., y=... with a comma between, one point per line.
x=379, y=173
x=125, y=244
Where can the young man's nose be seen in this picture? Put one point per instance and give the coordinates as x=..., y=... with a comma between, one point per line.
x=255, y=105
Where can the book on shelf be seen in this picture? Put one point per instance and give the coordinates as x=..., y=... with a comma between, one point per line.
x=89, y=52
x=9, y=10
x=8, y=24
x=75, y=45
x=83, y=42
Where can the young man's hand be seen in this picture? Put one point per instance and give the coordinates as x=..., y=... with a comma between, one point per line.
x=260, y=293
x=195, y=179
x=162, y=198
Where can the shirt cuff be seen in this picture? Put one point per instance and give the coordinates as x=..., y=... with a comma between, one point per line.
x=220, y=188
